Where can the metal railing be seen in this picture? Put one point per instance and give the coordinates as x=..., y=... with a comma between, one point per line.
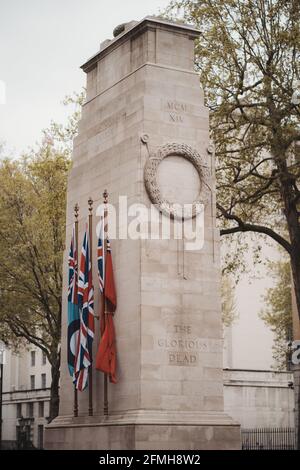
x=269, y=439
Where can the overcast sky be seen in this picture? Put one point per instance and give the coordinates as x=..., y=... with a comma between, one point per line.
x=42, y=45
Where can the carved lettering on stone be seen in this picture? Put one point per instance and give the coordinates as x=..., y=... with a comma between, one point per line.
x=176, y=110
x=182, y=346
x=182, y=358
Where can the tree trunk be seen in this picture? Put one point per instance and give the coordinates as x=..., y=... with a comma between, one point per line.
x=54, y=392
x=295, y=264
x=287, y=181
x=292, y=218
x=289, y=199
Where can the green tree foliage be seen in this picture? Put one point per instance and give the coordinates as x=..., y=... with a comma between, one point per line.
x=32, y=238
x=32, y=226
x=277, y=313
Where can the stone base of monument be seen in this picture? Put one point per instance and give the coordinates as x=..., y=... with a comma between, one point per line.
x=145, y=430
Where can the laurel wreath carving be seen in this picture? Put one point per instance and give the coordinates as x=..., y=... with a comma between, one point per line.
x=152, y=187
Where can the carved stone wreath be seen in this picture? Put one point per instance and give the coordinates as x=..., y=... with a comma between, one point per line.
x=152, y=187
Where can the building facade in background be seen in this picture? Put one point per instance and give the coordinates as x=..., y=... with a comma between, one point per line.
x=25, y=398
x=260, y=398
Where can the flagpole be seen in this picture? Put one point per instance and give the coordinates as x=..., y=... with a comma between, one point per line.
x=90, y=203
x=105, y=199
x=76, y=211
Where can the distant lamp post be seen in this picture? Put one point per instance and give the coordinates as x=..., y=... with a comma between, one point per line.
x=2, y=360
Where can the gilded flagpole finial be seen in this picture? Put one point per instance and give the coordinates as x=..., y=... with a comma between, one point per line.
x=90, y=203
x=76, y=210
x=105, y=196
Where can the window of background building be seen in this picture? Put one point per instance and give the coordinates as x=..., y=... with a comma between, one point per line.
x=30, y=410
x=44, y=358
x=32, y=382
x=32, y=355
x=41, y=409
x=43, y=380
x=19, y=410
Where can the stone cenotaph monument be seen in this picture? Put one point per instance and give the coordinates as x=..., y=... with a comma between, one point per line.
x=144, y=134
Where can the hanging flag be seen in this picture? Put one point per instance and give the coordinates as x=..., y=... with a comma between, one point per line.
x=86, y=315
x=73, y=313
x=106, y=355
x=106, y=359
x=109, y=289
x=101, y=270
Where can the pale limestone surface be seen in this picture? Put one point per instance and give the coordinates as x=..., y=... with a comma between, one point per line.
x=168, y=320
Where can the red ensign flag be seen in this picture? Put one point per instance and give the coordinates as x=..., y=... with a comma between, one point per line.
x=106, y=355
x=106, y=359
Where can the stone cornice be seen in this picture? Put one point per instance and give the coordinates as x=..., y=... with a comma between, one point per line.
x=148, y=23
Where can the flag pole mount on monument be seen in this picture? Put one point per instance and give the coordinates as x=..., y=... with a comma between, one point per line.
x=105, y=200
x=90, y=203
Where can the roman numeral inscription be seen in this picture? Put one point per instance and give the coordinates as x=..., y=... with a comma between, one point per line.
x=176, y=111
x=176, y=117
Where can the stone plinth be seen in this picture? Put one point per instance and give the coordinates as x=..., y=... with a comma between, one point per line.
x=143, y=96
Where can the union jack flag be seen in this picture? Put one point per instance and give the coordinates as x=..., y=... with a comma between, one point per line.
x=73, y=313
x=86, y=315
x=101, y=269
